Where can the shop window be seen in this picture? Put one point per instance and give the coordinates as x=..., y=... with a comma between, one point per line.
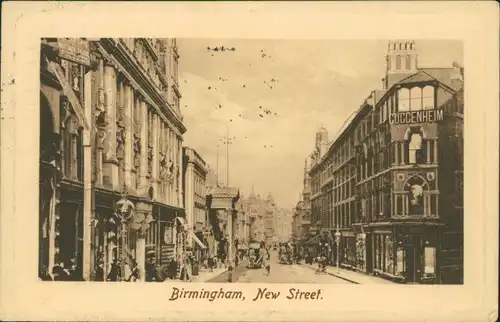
x=416, y=99
x=400, y=262
x=428, y=97
x=389, y=261
x=429, y=260
x=404, y=100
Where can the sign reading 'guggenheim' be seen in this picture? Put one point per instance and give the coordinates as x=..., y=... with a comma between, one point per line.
x=423, y=116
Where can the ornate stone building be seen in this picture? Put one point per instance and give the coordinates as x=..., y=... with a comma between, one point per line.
x=113, y=104
x=195, y=192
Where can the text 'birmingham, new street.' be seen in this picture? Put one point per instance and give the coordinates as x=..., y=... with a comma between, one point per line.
x=262, y=294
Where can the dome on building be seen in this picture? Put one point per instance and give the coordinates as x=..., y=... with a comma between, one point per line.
x=270, y=197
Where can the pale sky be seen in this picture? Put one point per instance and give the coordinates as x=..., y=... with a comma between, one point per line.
x=317, y=83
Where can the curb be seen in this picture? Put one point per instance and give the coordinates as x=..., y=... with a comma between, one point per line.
x=335, y=275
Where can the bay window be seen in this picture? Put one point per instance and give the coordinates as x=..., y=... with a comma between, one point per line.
x=428, y=98
x=404, y=100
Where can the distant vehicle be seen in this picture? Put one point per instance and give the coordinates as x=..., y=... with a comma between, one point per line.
x=285, y=254
x=255, y=255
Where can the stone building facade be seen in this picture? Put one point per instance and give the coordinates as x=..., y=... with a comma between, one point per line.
x=195, y=191
x=392, y=181
x=113, y=104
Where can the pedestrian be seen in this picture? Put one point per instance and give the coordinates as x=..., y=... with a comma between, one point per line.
x=114, y=272
x=210, y=263
x=150, y=270
x=135, y=274
x=99, y=272
x=236, y=260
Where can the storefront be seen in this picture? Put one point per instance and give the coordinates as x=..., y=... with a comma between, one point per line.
x=407, y=253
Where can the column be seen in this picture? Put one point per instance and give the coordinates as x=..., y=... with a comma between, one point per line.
x=402, y=147
x=140, y=256
x=396, y=153
x=436, y=151
x=143, y=168
x=156, y=152
x=129, y=137
x=179, y=182
x=100, y=135
x=428, y=151
x=88, y=263
x=110, y=166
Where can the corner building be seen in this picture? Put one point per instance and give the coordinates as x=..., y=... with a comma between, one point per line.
x=409, y=173
x=392, y=181
x=127, y=91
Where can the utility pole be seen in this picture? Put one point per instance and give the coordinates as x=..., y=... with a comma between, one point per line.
x=217, y=168
x=227, y=141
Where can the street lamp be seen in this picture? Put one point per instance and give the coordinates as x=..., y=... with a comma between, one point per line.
x=337, y=241
x=124, y=210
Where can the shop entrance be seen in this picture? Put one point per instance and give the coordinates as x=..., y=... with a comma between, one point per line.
x=413, y=257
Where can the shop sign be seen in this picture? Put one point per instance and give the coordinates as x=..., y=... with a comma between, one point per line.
x=423, y=116
x=76, y=50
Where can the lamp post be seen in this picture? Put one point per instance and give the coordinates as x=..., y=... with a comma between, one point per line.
x=337, y=241
x=124, y=211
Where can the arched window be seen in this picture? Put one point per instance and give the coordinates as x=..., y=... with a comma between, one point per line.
x=428, y=97
x=416, y=99
x=404, y=100
x=408, y=62
x=398, y=62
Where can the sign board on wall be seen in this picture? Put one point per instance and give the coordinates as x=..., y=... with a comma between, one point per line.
x=422, y=116
x=76, y=50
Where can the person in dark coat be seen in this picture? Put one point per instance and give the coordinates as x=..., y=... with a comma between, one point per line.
x=210, y=263
x=99, y=272
x=114, y=272
x=150, y=270
x=172, y=269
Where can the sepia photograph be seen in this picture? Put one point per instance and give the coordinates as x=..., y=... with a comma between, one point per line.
x=251, y=161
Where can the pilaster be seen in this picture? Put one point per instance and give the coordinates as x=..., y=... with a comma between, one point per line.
x=143, y=168
x=129, y=137
x=110, y=166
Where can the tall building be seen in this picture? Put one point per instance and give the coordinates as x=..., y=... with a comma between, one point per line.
x=110, y=126
x=284, y=224
x=392, y=181
x=271, y=212
x=195, y=191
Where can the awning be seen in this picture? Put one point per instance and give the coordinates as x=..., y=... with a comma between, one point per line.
x=312, y=240
x=197, y=240
x=68, y=91
x=183, y=222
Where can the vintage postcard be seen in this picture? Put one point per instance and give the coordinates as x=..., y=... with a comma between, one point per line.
x=173, y=173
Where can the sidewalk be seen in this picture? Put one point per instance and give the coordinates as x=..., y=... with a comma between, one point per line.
x=205, y=275
x=351, y=276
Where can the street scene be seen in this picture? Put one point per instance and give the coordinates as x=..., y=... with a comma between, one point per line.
x=251, y=161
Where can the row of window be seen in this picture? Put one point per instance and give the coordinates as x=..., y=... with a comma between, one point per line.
x=404, y=100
